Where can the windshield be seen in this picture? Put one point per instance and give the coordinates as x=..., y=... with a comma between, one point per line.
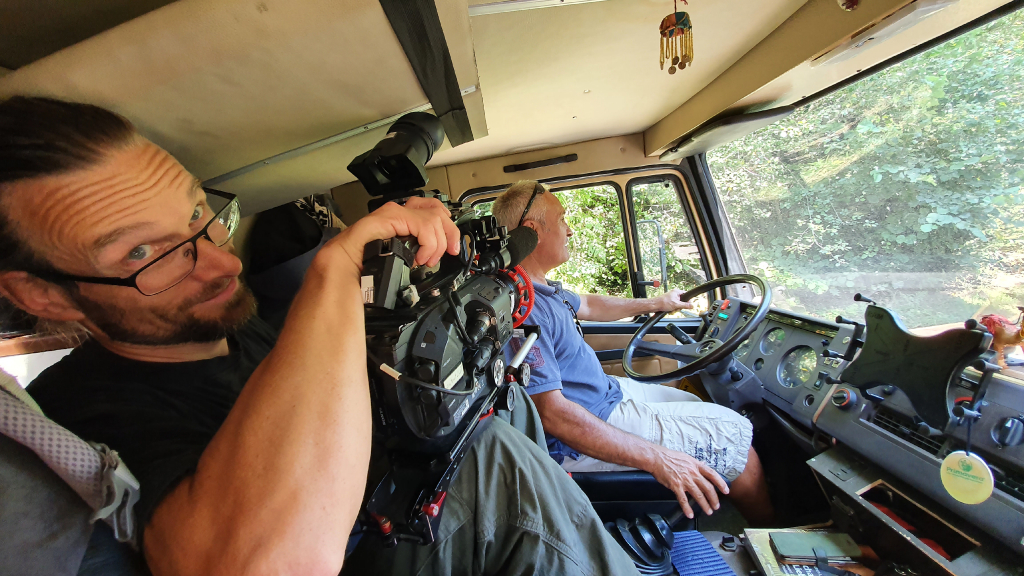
x=905, y=186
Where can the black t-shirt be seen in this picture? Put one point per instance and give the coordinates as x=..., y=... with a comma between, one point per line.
x=158, y=416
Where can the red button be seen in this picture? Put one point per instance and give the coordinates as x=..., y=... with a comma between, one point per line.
x=725, y=304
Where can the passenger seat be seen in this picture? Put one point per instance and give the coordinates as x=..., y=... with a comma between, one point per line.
x=46, y=526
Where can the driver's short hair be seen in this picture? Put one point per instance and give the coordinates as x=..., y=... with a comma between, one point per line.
x=509, y=205
x=42, y=137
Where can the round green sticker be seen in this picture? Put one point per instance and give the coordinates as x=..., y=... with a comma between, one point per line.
x=967, y=477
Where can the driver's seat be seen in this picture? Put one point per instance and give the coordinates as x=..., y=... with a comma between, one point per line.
x=631, y=494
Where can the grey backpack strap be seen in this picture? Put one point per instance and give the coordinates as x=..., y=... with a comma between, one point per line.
x=92, y=470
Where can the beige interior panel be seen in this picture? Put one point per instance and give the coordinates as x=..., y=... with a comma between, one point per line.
x=645, y=364
x=225, y=83
x=805, y=80
x=457, y=179
x=580, y=72
x=594, y=156
x=813, y=29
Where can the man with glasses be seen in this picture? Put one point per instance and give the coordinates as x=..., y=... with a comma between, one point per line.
x=251, y=447
x=598, y=423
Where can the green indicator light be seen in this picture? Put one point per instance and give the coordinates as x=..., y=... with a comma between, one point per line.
x=723, y=315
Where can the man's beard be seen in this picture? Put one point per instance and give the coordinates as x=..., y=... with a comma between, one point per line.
x=175, y=326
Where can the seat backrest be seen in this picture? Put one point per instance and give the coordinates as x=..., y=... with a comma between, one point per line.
x=42, y=463
x=44, y=524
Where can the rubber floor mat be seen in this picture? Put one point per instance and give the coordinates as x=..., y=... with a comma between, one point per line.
x=693, y=555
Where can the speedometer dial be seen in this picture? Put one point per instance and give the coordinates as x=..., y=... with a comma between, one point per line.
x=772, y=341
x=798, y=367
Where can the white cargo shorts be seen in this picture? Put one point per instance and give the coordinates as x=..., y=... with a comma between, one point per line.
x=677, y=420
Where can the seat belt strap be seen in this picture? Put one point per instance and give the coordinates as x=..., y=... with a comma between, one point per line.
x=93, y=471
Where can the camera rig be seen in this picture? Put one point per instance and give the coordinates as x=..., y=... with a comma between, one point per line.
x=434, y=337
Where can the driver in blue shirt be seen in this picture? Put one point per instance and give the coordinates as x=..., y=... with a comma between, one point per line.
x=596, y=422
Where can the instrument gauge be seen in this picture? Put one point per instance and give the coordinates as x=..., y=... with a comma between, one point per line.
x=798, y=367
x=772, y=341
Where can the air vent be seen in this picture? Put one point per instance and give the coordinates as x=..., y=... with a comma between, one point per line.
x=1012, y=483
x=904, y=427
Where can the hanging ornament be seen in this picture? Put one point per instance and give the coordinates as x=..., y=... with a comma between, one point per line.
x=676, y=40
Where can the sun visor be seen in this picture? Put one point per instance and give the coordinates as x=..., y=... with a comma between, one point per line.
x=723, y=131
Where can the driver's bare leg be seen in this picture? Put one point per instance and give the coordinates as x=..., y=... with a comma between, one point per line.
x=749, y=492
x=680, y=421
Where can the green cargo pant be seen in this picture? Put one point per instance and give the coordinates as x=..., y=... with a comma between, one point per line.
x=510, y=510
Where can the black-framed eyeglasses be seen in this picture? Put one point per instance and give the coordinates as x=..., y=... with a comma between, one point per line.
x=538, y=189
x=170, y=268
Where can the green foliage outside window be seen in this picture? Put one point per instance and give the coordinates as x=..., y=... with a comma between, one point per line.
x=659, y=201
x=905, y=186
x=597, y=250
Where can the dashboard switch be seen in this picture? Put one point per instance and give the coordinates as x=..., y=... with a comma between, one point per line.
x=735, y=374
x=844, y=398
x=1009, y=432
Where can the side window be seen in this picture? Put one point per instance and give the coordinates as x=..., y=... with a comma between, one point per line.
x=668, y=250
x=597, y=249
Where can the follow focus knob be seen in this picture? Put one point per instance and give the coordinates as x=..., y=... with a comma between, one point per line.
x=844, y=398
x=1009, y=432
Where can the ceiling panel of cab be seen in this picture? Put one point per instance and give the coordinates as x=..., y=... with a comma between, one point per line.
x=571, y=73
x=224, y=83
x=32, y=29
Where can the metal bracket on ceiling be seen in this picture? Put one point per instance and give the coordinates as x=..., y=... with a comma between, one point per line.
x=419, y=31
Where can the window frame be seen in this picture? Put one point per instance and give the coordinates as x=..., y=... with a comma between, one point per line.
x=641, y=291
x=691, y=196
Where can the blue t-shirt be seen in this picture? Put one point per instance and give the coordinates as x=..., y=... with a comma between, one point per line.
x=562, y=360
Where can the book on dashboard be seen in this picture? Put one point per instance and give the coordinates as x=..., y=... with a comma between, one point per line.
x=760, y=544
x=799, y=547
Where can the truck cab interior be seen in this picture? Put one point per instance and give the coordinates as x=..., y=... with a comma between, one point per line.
x=813, y=149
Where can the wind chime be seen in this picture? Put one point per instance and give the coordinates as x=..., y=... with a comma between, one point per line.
x=676, y=39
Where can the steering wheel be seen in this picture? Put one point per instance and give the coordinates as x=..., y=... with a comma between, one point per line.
x=698, y=355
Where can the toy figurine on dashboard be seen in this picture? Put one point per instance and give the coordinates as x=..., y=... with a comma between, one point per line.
x=1004, y=333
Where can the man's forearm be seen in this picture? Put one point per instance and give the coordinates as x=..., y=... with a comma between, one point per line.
x=279, y=486
x=598, y=308
x=578, y=428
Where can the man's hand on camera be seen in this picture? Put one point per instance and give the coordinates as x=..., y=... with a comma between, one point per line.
x=684, y=474
x=670, y=302
x=425, y=218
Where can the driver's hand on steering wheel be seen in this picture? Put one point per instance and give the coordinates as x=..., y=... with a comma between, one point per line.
x=670, y=302
x=684, y=474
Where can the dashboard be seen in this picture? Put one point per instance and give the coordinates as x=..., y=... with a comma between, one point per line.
x=792, y=365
